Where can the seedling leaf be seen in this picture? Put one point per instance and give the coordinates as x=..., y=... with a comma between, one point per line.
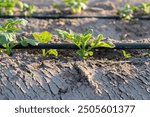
x=43, y=37
x=53, y=52
x=126, y=55
x=25, y=42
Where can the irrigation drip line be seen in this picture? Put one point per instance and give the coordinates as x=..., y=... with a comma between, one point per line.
x=71, y=17
x=74, y=47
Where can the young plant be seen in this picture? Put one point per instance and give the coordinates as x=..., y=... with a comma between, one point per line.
x=28, y=9
x=127, y=11
x=8, y=33
x=84, y=42
x=7, y=7
x=7, y=41
x=45, y=37
x=11, y=26
x=126, y=55
x=145, y=7
x=76, y=6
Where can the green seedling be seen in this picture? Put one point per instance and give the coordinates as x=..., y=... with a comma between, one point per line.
x=45, y=37
x=126, y=55
x=84, y=42
x=145, y=7
x=7, y=41
x=76, y=6
x=8, y=33
x=29, y=9
x=11, y=26
x=7, y=7
x=127, y=11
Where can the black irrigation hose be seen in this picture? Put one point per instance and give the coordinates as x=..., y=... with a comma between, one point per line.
x=73, y=46
x=71, y=17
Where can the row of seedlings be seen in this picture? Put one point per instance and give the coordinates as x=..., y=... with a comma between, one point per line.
x=85, y=42
x=127, y=12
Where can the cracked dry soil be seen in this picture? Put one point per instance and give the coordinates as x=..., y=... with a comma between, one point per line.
x=107, y=75
x=29, y=76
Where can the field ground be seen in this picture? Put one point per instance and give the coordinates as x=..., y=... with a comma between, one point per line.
x=107, y=75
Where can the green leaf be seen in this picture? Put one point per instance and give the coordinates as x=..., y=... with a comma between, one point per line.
x=145, y=7
x=53, y=52
x=96, y=43
x=43, y=37
x=90, y=53
x=3, y=39
x=62, y=34
x=100, y=37
x=85, y=39
x=32, y=42
x=25, y=42
x=106, y=45
x=126, y=55
x=81, y=53
x=92, y=44
x=11, y=25
x=6, y=37
x=20, y=4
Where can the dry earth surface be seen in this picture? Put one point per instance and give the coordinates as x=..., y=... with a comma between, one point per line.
x=107, y=75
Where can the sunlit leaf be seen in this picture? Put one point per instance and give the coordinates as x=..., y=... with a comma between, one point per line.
x=53, y=52
x=43, y=37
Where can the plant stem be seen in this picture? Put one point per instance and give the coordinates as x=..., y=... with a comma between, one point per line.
x=43, y=52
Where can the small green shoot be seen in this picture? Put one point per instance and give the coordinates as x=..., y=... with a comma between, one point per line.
x=145, y=7
x=84, y=42
x=127, y=11
x=45, y=37
x=76, y=6
x=28, y=10
x=126, y=55
x=6, y=40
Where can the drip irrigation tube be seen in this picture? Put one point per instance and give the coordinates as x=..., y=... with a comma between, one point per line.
x=71, y=17
x=73, y=46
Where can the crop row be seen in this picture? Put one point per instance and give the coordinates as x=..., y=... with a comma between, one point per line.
x=84, y=43
x=8, y=39
x=127, y=12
